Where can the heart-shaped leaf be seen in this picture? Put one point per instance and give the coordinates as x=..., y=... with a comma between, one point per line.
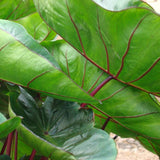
x=119, y=43
x=16, y=9
x=33, y=66
x=61, y=126
x=132, y=112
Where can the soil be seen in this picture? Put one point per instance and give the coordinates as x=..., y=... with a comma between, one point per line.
x=130, y=149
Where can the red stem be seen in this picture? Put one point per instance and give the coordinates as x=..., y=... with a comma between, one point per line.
x=9, y=143
x=105, y=124
x=16, y=145
x=98, y=88
x=4, y=146
x=32, y=154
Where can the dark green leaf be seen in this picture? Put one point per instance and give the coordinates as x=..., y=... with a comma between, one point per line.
x=3, y=98
x=123, y=44
x=4, y=157
x=65, y=125
x=15, y=9
x=27, y=157
x=33, y=66
x=3, y=103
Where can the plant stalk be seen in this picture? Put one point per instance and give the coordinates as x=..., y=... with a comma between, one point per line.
x=105, y=124
x=16, y=145
x=4, y=146
x=32, y=154
x=9, y=143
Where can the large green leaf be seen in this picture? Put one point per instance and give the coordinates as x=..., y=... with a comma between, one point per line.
x=132, y=112
x=7, y=126
x=63, y=127
x=33, y=66
x=15, y=9
x=39, y=30
x=3, y=103
x=123, y=44
x=75, y=66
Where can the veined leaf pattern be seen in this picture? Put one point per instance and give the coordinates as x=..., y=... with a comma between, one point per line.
x=33, y=66
x=124, y=109
x=110, y=40
x=118, y=63
x=16, y=9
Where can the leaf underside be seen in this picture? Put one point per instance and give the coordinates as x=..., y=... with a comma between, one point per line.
x=5, y=157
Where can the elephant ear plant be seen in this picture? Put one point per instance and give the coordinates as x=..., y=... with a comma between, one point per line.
x=65, y=96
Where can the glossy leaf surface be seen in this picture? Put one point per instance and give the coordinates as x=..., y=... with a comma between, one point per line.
x=15, y=9
x=65, y=126
x=38, y=30
x=112, y=41
x=132, y=112
x=33, y=66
